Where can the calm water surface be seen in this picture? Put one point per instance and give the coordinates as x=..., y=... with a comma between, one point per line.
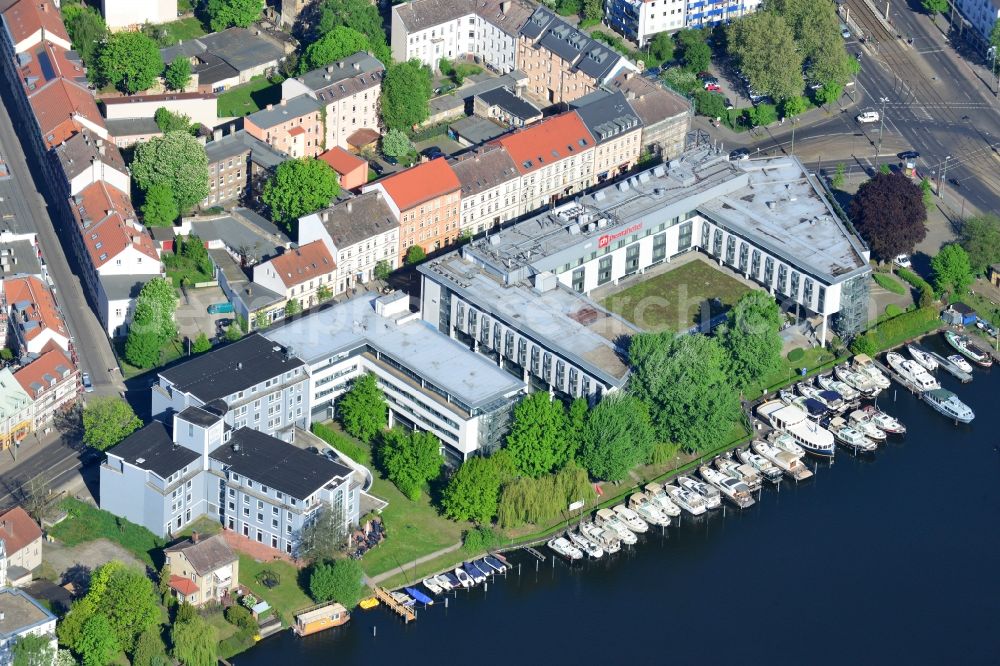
x=892, y=559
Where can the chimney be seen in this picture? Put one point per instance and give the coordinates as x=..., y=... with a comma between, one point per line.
x=195, y=537
x=350, y=205
x=217, y=134
x=357, y=66
x=284, y=102
x=340, y=64
x=270, y=106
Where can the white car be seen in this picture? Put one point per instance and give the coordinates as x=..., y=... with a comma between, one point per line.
x=903, y=261
x=868, y=117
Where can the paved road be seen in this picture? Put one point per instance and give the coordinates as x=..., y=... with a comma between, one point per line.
x=53, y=460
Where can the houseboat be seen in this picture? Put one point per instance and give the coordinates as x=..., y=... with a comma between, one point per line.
x=320, y=618
x=812, y=437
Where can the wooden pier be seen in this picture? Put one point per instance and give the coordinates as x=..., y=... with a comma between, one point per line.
x=404, y=612
x=532, y=551
x=948, y=366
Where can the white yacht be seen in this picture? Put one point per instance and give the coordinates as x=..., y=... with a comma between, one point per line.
x=604, y=537
x=830, y=383
x=740, y=471
x=711, y=494
x=863, y=422
x=659, y=496
x=767, y=469
x=961, y=363
x=912, y=372
x=647, y=510
x=865, y=366
x=862, y=382
x=562, y=546
x=691, y=502
x=922, y=357
x=809, y=435
x=606, y=518
x=884, y=421
x=948, y=404
x=785, y=442
x=732, y=489
x=787, y=463
x=829, y=399
x=585, y=544
x=850, y=437
x=631, y=519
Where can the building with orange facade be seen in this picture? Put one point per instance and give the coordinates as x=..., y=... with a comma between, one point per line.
x=293, y=127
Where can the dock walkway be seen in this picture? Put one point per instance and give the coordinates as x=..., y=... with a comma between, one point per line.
x=948, y=366
x=404, y=612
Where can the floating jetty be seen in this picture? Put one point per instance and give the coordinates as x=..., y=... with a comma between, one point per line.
x=943, y=362
x=404, y=612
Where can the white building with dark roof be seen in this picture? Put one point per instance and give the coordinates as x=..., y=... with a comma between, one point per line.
x=21, y=615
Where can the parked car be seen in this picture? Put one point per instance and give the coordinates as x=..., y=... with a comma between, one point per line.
x=868, y=117
x=432, y=152
x=224, y=322
x=390, y=160
x=220, y=308
x=88, y=386
x=845, y=32
x=739, y=155
x=376, y=167
x=903, y=261
x=713, y=87
x=908, y=155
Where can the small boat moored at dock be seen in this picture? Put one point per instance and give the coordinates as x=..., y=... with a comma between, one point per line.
x=419, y=596
x=964, y=345
x=922, y=357
x=710, y=494
x=787, y=463
x=767, y=469
x=861, y=382
x=631, y=519
x=912, y=372
x=475, y=573
x=740, y=471
x=885, y=422
x=960, y=363
x=809, y=435
x=861, y=421
x=647, y=510
x=433, y=585
x=608, y=519
x=495, y=563
x=691, y=502
x=319, y=618
x=659, y=496
x=732, y=489
x=864, y=365
x=848, y=392
x=585, y=545
x=561, y=546
x=947, y=403
x=464, y=579
x=850, y=437
x=606, y=538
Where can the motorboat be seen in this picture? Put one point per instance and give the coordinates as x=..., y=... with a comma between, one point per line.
x=659, y=496
x=647, y=510
x=445, y=582
x=808, y=434
x=831, y=383
x=740, y=471
x=947, y=403
x=961, y=363
x=608, y=519
x=831, y=400
x=433, y=585
x=732, y=489
x=711, y=494
x=861, y=382
x=691, y=502
x=767, y=469
x=786, y=396
x=922, y=357
x=964, y=345
x=496, y=564
x=885, y=422
x=419, y=596
x=587, y=546
x=451, y=579
x=787, y=463
x=850, y=437
x=464, y=579
x=861, y=421
x=606, y=538
x=864, y=365
x=478, y=576
x=403, y=599
x=785, y=442
x=485, y=567
x=562, y=546
x=631, y=519
x=912, y=372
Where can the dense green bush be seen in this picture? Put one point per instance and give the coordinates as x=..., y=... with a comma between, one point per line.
x=480, y=540
x=796, y=355
x=342, y=443
x=893, y=310
x=898, y=329
x=889, y=283
x=913, y=279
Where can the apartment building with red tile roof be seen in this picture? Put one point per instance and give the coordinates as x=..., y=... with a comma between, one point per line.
x=352, y=171
x=22, y=539
x=426, y=201
x=53, y=382
x=114, y=241
x=299, y=273
x=28, y=22
x=33, y=315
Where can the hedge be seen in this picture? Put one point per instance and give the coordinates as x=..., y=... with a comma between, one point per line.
x=342, y=443
x=913, y=279
x=889, y=283
x=896, y=330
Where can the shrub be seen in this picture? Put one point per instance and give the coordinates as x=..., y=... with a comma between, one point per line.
x=480, y=540
x=895, y=330
x=889, y=283
x=342, y=443
x=893, y=310
x=796, y=355
x=913, y=279
x=242, y=618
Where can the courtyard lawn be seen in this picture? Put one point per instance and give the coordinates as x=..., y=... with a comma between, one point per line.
x=286, y=597
x=814, y=358
x=86, y=523
x=249, y=97
x=171, y=351
x=678, y=299
x=184, y=29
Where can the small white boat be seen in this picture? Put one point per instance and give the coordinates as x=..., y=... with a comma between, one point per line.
x=885, y=422
x=829, y=383
x=912, y=372
x=404, y=599
x=606, y=538
x=463, y=578
x=631, y=519
x=562, y=546
x=732, y=489
x=691, y=502
x=608, y=519
x=850, y=437
x=432, y=585
x=740, y=471
x=711, y=494
x=964, y=345
x=767, y=469
x=659, y=496
x=923, y=358
x=785, y=442
x=443, y=581
x=862, y=382
x=647, y=510
x=864, y=365
x=585, y=545
x=863, y=422
x=961, y=363
x=787, y=463
x=829, y=399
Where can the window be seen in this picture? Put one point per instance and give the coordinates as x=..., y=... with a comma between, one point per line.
x=731, y=250
x=717, y=243
x=246, y=511
x=604, y=271
x=579, y=277
x=632, y=259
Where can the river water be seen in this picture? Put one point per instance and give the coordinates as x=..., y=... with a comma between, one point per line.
x=888, y=559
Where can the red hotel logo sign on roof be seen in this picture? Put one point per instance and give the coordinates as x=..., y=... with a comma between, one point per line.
x=606, y=239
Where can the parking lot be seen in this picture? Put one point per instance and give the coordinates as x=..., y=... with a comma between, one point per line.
x=192, y=315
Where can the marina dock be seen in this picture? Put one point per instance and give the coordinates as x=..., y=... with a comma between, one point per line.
x=404, y=612
x=947, y=365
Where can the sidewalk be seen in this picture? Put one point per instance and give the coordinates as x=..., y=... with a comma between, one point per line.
x=375, y=580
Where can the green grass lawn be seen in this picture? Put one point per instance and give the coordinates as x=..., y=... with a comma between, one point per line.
x=984, y=307
x=87, y=523
x=170, y=352
x=286, y=597
x=678, y=299
x=889, y=283
x=249, y=97
x=815, y=357
x=183, y=269
x=184, y=29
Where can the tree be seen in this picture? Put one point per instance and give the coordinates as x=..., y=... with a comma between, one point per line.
x=358, y=15
x=363, y=411
x=322, y=537
x=927, y=192
x=201, y=344
x=149, y=648
x=751, y=338
x=709, y=103
x=323, y=293
x=176, y=160
x=661, y=48
x=406, y=93
x=335, y=45
x=154, y=312
x=695, y=53
x=98, y=643
x=593, y=11
x=618, y=436
x=981, y=239
x=107, y=421
x=410, y=459
x=396, y=144
x=951, y=269
x=415, y=255
x=261, y=320
x=178, y=73
x=994, y=35
x=683, y=381
x=383, y=270
x=299, y=187
x=86, y=29
x=763, y=114
x=765, y=47
x=234, y=332
x=473, y=491
x=537, y=440
x=130, y=61
x=35, y=497
x=143, y=344
x=935, y=7
x=828, y=93
x=889, y=213
x=159, y=209
x=793, y=106
x=576, y=420
x=339, y=581
x=195, y=642
x=224, y=14
x=838, y=176
x=168, y=121
x=32, y=650
x=292, y=307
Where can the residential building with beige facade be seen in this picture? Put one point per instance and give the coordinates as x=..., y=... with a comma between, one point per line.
x=490, y=187
x=202, y=569
x=299, y=273
x=22, y=542
x=293, y=127
x=616, y=129
x=53, y=382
